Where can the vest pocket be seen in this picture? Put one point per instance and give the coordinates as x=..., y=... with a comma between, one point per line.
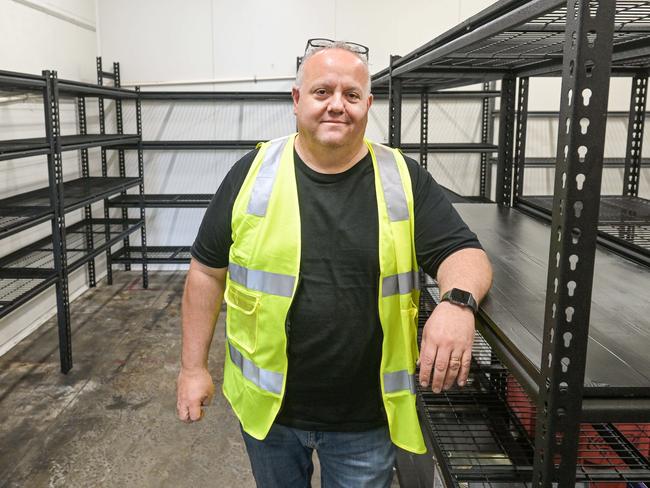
x=409, y=329
x=241, y=317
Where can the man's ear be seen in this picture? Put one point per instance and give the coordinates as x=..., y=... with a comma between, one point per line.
x=295, y=94
x=370, y=99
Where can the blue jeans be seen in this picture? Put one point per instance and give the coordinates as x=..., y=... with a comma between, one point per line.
x=347, y=459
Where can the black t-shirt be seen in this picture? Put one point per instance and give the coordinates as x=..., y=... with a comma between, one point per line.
x=333, y=328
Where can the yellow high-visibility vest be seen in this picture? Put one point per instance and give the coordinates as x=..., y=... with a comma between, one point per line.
x=262, y=278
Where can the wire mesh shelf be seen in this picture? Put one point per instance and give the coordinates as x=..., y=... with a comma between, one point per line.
x=155, y=255
x=28, y=271
x=20, y=148
x=524, y=38
x=483, y=433
x=20, y=212
x=621, y=217
x=162, y=200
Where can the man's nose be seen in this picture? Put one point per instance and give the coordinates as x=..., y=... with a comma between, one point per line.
x=336, y=102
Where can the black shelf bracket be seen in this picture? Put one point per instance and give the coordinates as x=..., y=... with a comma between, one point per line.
x=520, y=139
x=85, y=173
x=581, y=134
x=119, y=121
x=394, y=109
x=143, y=230
x=635, y=125
x=506, y=131
x=102, y=130
x=487, y=123
x=424, y=127
x=55, y=176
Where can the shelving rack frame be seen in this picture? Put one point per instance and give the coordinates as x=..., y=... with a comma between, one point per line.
x=585, y=41
x=27, y=272
x=178, y=254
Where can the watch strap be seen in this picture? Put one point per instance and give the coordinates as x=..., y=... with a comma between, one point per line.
x=460, y=297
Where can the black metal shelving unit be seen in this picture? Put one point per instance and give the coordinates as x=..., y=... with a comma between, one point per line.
x=549, y=336
x=27, y=272
x=128, y=254
x=397, y=90
x=117, y=93
x=180, y=254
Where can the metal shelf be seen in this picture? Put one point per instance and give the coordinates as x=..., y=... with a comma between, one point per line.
x=482, y=434
x=22, y=211
x=20, y=148
x=79, y=89
x=197, y=145
x=155, y=255
x=21, y=82
x=451, y=147
x=118, y=229
x=454, y=197
x=550, y=162
x=516, y=37
x=623, y=223
x=216, y=96
x=510, y=318
x=27, y=272
x=191, y=96
x=162, y=201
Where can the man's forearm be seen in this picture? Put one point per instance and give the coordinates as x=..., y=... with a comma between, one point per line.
x=202, y=299
x=468, y=269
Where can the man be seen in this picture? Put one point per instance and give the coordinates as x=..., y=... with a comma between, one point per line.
x=315, y=240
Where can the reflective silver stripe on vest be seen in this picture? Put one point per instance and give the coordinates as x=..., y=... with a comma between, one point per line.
x=399, y=381
x=400, y=284
x=392, y=184
x=263, y=186
x=266, y=380
x=264, y=281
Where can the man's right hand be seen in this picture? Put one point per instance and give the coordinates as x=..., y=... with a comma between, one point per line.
x=194, y=388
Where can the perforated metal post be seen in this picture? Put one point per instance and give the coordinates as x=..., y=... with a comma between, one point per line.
x=102, y=130
x=581, y=136
x=143, y=229
x=635, y=126
x=520, y=139
x=486, y=116
x=126, y=242
x=85, y=172
x=55, y=176
x=424, y=127
x=506, y=128
x=394, y=108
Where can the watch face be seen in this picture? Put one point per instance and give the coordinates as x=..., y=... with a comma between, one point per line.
x=460, y=296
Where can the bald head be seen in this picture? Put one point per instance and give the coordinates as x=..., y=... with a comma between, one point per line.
x=337, y=52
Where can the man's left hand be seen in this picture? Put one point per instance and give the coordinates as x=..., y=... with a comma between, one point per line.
x=446, y=347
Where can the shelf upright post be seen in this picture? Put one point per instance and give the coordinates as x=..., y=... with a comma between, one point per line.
x=122, y=164
x=486, y=116
x=578, y=174
x=55, y=177
x=85, y=172
x=424, y=127
x=520, y=139
x=424, y=142
x=635, y=126
x=143, y=229
x=394, y=107
x=506, y=129
x=102, y=130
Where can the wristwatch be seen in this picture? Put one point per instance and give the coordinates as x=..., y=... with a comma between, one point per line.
x=460, y=297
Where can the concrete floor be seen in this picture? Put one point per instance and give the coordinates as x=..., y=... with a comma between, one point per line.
x=111, y=420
